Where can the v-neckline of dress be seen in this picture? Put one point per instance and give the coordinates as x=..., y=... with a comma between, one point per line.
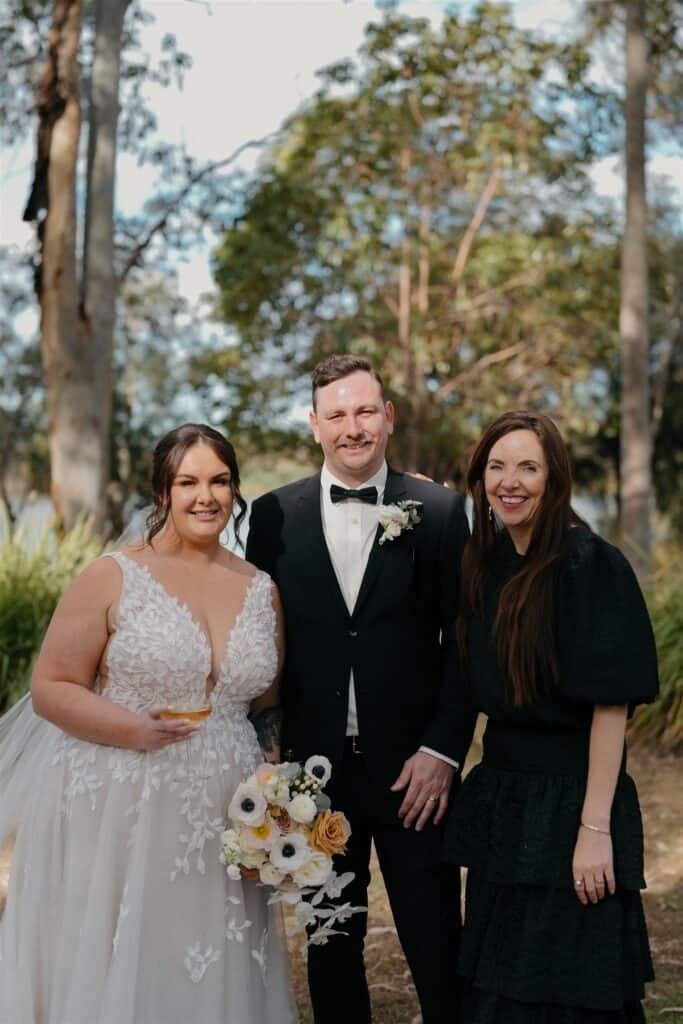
x=184, y=608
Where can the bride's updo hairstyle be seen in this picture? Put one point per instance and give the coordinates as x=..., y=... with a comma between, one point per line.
x=169, y=453
x=525, y=621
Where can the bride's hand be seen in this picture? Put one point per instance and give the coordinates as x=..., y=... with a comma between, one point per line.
x=156, y=732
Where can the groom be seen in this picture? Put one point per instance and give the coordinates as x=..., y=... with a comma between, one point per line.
x=362, y=684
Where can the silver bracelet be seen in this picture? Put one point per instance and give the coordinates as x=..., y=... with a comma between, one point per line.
x=594, y=828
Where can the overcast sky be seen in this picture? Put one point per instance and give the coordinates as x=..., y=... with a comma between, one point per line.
x=254, y=63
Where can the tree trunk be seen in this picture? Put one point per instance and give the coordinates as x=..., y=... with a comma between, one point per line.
x=52, y=204
x=77, y=323
x=635, y=443
x=99, y=285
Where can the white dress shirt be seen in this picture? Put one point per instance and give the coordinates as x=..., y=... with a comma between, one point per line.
x=350, y=527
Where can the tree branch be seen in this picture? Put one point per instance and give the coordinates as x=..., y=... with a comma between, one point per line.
x=490, y=295
x=478, y=367
x=478, y=216
x=161, y=222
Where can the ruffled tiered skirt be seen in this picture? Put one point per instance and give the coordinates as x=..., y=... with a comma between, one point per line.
x=531, y=953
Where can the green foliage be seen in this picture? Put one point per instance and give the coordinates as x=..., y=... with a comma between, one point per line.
x=430, y=208
x=661, y=723
x=32, y=578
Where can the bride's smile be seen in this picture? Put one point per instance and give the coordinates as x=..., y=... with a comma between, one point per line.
x=201, y=496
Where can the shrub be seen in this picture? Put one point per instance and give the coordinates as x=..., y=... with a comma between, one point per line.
x=32, y=578
x=661, y=723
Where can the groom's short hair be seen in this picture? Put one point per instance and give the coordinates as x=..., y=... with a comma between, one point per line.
x=336, y=367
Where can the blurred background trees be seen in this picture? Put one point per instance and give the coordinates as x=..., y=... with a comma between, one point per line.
x=431, y=208
x=432, y=205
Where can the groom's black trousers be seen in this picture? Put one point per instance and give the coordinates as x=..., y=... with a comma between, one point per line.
x=425, y=901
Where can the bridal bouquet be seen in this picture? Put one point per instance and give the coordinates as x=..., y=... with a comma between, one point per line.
x=283, y=834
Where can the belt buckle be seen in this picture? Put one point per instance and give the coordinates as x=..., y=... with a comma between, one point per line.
x=355, y=745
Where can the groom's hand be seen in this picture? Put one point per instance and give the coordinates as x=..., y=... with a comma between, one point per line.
x=428, y=780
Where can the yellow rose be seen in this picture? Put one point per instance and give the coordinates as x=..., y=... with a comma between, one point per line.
x=330, y=833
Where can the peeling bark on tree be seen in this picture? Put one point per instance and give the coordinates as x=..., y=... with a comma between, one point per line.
x=97, y=306
x=636, y=446
x=52, y=204
x=77, y=321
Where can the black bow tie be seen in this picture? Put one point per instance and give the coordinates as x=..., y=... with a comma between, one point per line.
x=366, y=494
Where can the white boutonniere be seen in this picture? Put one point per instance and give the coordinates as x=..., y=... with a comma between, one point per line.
x=394, y=519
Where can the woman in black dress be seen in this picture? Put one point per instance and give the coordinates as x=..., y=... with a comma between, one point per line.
x=555, y=646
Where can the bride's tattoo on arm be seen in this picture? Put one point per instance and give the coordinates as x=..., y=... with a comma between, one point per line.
x=268, y=724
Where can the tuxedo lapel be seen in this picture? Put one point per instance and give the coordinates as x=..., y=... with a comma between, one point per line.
x=389, y=558
x=318, y=556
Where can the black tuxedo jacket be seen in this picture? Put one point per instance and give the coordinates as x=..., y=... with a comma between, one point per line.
x=393, y=638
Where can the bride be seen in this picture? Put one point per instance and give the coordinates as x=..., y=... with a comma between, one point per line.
x=118, y=909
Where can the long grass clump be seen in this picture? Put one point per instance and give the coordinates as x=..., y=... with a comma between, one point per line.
x=661, y=724
x=33, y=575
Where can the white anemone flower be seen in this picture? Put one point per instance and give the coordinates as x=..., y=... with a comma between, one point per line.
x=315, y=871
x=248, y=805
x=319, y=768
x=290, y=852
x=302, y=809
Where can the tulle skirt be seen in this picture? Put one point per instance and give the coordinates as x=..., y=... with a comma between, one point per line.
x=118, y=909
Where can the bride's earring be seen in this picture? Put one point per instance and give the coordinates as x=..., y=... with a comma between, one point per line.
x=490, y=514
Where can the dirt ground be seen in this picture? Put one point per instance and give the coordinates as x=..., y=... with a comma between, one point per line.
x=660, y=785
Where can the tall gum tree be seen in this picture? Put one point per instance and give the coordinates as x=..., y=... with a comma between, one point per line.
x=635, y=438
x=77, y=311
x=52, y=204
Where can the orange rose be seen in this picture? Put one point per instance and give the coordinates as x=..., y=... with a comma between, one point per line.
x=330, y=833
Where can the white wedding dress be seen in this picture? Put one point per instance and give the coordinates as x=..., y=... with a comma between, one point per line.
x=118, y=909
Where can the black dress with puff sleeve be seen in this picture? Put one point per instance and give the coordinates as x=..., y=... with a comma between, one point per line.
x=531, y=953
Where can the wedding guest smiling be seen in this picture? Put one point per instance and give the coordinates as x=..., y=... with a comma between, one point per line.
x=556, y=648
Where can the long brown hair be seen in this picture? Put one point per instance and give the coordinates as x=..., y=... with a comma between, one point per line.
x=524, y=626
x=170, y=452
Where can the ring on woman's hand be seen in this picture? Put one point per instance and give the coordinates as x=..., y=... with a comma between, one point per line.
x=599, y=881
x=433, y=799
x=578, y=882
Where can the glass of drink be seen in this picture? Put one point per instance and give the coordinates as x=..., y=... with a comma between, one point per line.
x=194, y=711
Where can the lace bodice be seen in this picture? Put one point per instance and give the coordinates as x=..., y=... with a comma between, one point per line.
x=160, y=655
x=123, y=845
